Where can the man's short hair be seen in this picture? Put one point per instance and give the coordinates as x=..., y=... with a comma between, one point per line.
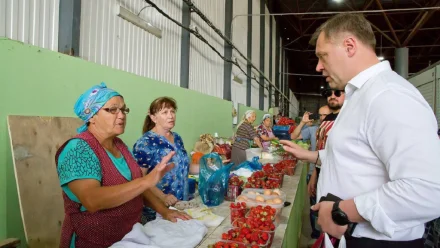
x=355, y=24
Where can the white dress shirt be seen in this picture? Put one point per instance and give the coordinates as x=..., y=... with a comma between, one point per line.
x=384, y=152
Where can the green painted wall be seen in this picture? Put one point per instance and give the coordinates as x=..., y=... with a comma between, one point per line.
x=36, y=81
x=243, y=108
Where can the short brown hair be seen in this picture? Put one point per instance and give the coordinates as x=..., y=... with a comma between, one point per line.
x=157, y=105
x=355, y=24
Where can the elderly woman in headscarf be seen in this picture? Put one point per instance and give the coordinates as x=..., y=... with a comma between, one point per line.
x=103, y=187
x=265, y=131
x=244, y=137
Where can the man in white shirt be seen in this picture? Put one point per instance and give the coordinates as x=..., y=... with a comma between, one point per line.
x=384, y=167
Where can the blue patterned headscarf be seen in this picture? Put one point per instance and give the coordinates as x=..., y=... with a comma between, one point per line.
x=91, y=101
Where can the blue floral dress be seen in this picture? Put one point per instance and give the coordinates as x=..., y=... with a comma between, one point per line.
x=149, y=151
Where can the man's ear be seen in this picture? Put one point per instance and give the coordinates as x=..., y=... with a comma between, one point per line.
x=350, y=46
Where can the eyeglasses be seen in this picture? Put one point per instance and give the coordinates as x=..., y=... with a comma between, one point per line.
x=116, y=110
x=328, y=93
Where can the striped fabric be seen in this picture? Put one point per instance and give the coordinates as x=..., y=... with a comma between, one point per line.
x=245, y=133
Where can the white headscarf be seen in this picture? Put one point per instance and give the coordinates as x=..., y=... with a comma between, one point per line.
x=246, y=116
x=265, y=117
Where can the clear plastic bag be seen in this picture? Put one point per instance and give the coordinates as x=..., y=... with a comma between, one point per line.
x=213, y=179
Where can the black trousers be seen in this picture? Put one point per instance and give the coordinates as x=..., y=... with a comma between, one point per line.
x=371, y=243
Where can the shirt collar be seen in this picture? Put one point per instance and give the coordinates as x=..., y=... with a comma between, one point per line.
x=360, y=79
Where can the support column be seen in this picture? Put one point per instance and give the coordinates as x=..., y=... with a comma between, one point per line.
x=69, y=27
x=287, y=91
x=401, y=62
x=277, y=65
x=228, y=52
x=262, y=51
x=270, y=61
x=249, y=55
x=185, y=46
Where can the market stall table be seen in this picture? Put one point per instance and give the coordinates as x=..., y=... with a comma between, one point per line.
x=289, y=230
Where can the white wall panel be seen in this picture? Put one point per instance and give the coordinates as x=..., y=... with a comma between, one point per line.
x=255, y=95
x=239, y=38
x=206, y=67
x=266, y=42
x=109, y=40
x=266, y=100
x=256, y=34
x=238, y=91
x=293, y=109
x=112, y=41
x=255, y=52
x=30, y=21
x=274, y=47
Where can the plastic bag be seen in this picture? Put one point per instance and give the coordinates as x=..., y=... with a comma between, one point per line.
x=254, y=165
x=213, y=179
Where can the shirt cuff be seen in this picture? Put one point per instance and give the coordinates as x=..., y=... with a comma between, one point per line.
x=370, y=209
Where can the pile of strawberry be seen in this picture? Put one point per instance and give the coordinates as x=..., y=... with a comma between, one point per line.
x=263, y=180
x=256, y=180
x=272, y=183
x=238, y=210
x=284, y=121
x=247, y=236
x=235, y=181
x=285, y=166
x=268, y=178
x=260, y=220
x=229, y=244
x=268, y=169
x=235, y=186
x=262, y=217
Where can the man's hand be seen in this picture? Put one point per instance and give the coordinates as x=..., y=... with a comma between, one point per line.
x=325, y=219
x=160, y=170
x=306, y=117
x=173, y=215
x=298, y=151
x=169, y=199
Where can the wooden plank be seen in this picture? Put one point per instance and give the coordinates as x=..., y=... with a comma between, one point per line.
x=34, y=142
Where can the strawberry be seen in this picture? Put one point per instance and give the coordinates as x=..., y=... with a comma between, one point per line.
x=254, y=236
x=224, y=236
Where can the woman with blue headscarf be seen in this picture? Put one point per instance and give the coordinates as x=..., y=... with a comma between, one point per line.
x=265, y=131
x=103, y=188
x=244, y=138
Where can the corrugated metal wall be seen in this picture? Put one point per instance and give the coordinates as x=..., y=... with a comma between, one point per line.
x=294, y=110
x=266, y=43
x=206, y=67
x=266, y=55
x=29, y=21
x=255, y=94
x=112, y=41
x=274, y=38
x=239, y=38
